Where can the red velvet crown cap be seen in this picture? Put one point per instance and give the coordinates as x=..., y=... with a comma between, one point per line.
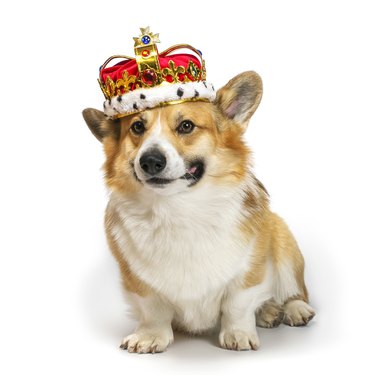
x=116, y=72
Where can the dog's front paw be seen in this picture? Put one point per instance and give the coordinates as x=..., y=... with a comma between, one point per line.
x=238, y=340
x=147, y=342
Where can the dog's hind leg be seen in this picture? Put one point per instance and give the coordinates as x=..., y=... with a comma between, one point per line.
x=289, y=286
x=269, y=315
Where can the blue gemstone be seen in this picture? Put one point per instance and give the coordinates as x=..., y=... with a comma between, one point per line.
x=200, y=52
x=146, y=39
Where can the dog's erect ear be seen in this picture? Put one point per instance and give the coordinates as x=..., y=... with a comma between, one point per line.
x=94, y=119
x=240, y=97
x=99, y=125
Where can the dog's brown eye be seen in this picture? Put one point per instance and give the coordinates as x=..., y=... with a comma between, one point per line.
x=185, y=127
x=138, y=127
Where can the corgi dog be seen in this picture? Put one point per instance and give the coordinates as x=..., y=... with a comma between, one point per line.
x=190, y=225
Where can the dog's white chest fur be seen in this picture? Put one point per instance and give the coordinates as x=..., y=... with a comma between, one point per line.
x=188, y=246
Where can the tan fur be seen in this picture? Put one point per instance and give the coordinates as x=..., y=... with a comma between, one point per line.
x=275, y=240
x=284, y=246
x=130, y=281
x=257, y=225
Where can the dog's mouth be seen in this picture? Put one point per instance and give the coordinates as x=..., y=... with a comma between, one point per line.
x=158, y=181
x=193, y=174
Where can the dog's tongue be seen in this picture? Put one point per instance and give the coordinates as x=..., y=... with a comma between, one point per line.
x=192, y=170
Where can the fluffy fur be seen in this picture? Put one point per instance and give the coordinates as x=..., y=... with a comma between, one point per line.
x=142, y=99
x=195, y=252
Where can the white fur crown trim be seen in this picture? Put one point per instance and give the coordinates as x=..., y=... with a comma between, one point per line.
x=142, y=99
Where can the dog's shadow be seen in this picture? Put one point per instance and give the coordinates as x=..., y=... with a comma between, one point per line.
x=103, y=302
x=109, y=318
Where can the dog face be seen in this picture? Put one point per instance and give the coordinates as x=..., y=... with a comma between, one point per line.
x=176, y=148
x=170, y=147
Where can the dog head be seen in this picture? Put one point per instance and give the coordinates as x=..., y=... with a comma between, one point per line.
x=173, y=149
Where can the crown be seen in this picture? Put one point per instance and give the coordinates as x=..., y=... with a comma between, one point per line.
x=151, y=79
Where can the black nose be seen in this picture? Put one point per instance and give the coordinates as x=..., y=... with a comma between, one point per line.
x=153, y=162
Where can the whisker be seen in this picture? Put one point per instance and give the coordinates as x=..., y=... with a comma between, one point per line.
x=190, y=174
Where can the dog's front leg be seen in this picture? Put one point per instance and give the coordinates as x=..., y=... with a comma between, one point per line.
x=154, y=332
x=238, y=322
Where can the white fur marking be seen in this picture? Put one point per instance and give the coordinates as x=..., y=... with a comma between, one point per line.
x=175, y=167
x=285, y=284
x=238, y=326
x=154, y=332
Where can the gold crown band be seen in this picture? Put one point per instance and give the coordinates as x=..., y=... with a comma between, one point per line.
x=163, y=104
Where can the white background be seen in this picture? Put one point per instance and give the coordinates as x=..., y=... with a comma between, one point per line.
x=61, y=306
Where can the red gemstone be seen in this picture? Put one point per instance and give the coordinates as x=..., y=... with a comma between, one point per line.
x=145, y=53
x=149, y=77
